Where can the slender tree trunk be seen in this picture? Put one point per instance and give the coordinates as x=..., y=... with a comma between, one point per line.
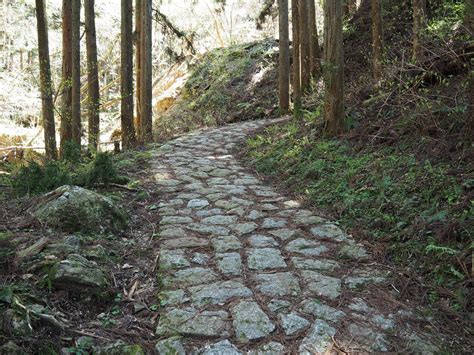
x=76, y=72
x=284, y=57
x=419, y=17
x=349, y=7
x=128, y=130
x=305, y=45
x=314, y=52
x=296, y=59
x=92, y=75
x=333, y=68
x=146, y=73
x=377, y=39
x=138, y=26
x=469, y=16
x=66, y=102
x=46, y=86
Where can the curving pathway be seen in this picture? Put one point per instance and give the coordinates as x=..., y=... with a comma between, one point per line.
x=245, y=269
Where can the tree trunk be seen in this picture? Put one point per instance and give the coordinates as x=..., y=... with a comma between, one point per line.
x=76, y=72
x=419, y=16
x=284, y=57
x=146, y=73
x=92, y=75
x=469, y=16
x=333, y=68
x=66, y=102
x=305, y=45
x=296, y=60
x=126, y=118
x=314, y=52
x=377, y=39
x=45, y=77
x=138, y=26
x=349, y=7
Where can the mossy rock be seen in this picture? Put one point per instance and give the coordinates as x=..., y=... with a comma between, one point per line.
x=119, y=348
x=75, y=209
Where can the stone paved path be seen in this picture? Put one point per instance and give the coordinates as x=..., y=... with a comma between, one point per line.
x=245, y=269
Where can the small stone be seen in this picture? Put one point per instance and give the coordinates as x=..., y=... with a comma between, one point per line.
x=284, y=233
x=200, y=258
x=368, y=338
x=265, y=258
x=272, y=348
x=229, y=263
x=315, y=264
x=307, y=220
x=218, y=292
x=318, y=339
x=322, y=285
x=278, y=284
x=329, y=231
x=217, y=181
x=172, y=297
x=321, y=310
x=188, y=242
x=271, y=223
x=250, y=322
x=170, y=346
x=220, y=348
x=269, y=207
x=226, y=243
x=196, y=203
x=353, y=251
x=362, y=277
x=306, y=247
x=207, y=213
x=173, y=259
x=175, y=220
x=188, y=277
x=227, y=205
x=279, y=306
x=291, y=204
x=244, y=228
x=192, y=322
x=208, y=229
x=168, y=182
x=261, y=241
x=254, y=214
x=172, y=233
x=292, y=323
x=242, y=201
x=220, y=219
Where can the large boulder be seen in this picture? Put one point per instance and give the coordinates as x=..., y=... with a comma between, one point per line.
x=78, y=275
x=75, y=209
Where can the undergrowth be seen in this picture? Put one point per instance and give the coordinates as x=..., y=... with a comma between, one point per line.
x=384, y=194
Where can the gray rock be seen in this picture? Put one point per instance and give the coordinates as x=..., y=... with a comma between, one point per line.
x=361, y=277
x=271, y=348
x=226, y=243
x=305, y=247
x=265, y=258
x=229, y=263
x=208, y=229
x=77, y=274
x=192, y=322
x=242, y=201
x=175, y=232
x=74, y=209
x=314, y=264
x=170, y=346
x=322, y=285
x=261, y=241
x=329, y=231
x=188, y=277
x=272, y=223
x=172, y=297
x=292, y=323
x=254, y=214
x=279, y=306
x=244, y=228
x=207, y=213
x=198, y=203
x=367, y=338
x=220, y=348
x=173, y=259
x=250, y=322
x=218, y=292
x=187, y=242
x=284, y=233
x=220, y=219
x=176, y=220
x=200, y=258
x=227, y=205
x=353, y=251
x=278, y=284
x=321, y=310
x=119, y=348
x=318, y=339
x=304, y=220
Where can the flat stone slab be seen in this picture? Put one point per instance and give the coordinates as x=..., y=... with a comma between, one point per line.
x=171, y=345
x=173, y=259
x=189, y=277
x=220, y=219
x=220, y=348
x=322, y=285
x=219, y=292
x=198, y=203
x=190, y=321
x=318, y=339
x=272, y=223
x=306, y=247
x=265, y=258
x=315, y=264
x=278, y=284
x=250, y=321
x=262, y=241
x=187, y=242
x=293, y=323
x=244, y=228
x=329, y=231
x=321, y=311
x=279, y=306
x=284, y=233
x=176, y=220
x=229, y=263
x=208, y=229
x=226, y=243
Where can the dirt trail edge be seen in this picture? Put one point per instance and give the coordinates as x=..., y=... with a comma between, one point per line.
x=245, y=269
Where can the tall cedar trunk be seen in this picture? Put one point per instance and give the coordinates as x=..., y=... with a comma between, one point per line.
x=128, y=130
x=419, y=16
x=314, y=52
x=377, y=39
x=92, y=75
x=76, y=72
x=45, y=77
x=296, y=59
x=349, y=7
x=138, y=26
x=333, y=68
x=305, y=44
x=469, y=16
x=146, y=72
x=66, y=102
x=469, y=24
x=284, y=57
